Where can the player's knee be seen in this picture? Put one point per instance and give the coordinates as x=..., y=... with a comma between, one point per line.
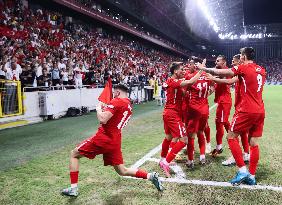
x=192, y=135
x=74, y=153
x=168, y=137
x=253, y=141
x=184, y=139
x=121, y=170
x=231, y=135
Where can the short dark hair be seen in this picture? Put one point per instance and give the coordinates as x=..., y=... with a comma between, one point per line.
x=122, y=87
x=174, y=66
x=222, y=56
x=249, y=52
x=237, y=56
x=196, y=59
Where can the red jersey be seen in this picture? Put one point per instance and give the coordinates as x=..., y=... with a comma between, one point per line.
x=222, y=93
x=251, y=81
x=198, y=94
x=121, y=109
x=237, y=94
x=174, y=94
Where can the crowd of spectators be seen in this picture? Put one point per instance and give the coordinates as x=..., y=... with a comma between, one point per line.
x=274, y=69
x=40, y=48
x=94, y=6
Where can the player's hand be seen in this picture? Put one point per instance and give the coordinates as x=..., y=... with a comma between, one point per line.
x=100, y=106
x=200, y=66
x=210, y=77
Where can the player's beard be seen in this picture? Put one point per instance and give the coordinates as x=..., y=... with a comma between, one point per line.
x=218, y=67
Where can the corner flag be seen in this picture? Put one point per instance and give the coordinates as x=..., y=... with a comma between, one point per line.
x=107, y=93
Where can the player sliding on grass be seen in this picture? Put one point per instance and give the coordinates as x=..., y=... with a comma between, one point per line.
x=107, y=141
x=173, y=125
x=250, y=112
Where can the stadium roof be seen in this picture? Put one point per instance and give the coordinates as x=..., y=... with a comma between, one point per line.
x=194, y=22
x=242, y=19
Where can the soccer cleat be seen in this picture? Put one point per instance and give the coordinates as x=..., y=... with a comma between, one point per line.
x=154, y=178
x=239, y=178
x=202, y=162
x=165, y=168
x=250, y=180
x=208, y=148
x=216, y=152
x=70, y=191
x=230, y=161
x=246, y=157
x=190, y=164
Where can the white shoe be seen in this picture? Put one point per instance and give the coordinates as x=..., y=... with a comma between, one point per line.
x=208, y=148
x=246, y=157
x=230, y=161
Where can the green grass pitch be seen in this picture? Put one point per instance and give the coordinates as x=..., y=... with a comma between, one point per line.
x=34, y=163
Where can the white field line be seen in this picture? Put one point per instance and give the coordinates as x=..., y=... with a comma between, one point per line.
x=147, y=156
x=155, y=150
x=217, y=184
x=180, y=178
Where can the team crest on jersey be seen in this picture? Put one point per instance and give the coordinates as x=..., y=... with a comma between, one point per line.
x=258, y=69
x=236, y=67
x=165, y=85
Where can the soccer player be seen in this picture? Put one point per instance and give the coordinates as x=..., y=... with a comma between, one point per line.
x=107, y=141
x=250, y=113
x=243, y=135
x=198, y=112
x=173, y=125
x=224, y=101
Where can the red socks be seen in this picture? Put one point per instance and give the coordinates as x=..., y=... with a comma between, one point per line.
x=176, y=148
x=245, y=142
x=74, y=177
x=202, y=143
x=141, y=174
x=254, y=158
x=190, y=148
x=219, y=132
x=165, y=147
x=236, y=152
x=208, y=134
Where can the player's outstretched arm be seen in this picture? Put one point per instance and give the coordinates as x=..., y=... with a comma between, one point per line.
x=223, y=81
x=192, y=80
x=103, y=116
x=214, y=71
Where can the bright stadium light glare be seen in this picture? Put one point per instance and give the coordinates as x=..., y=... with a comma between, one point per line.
x=205, y=10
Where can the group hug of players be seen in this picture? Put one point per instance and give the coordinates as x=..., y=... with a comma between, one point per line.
x=186, y=112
